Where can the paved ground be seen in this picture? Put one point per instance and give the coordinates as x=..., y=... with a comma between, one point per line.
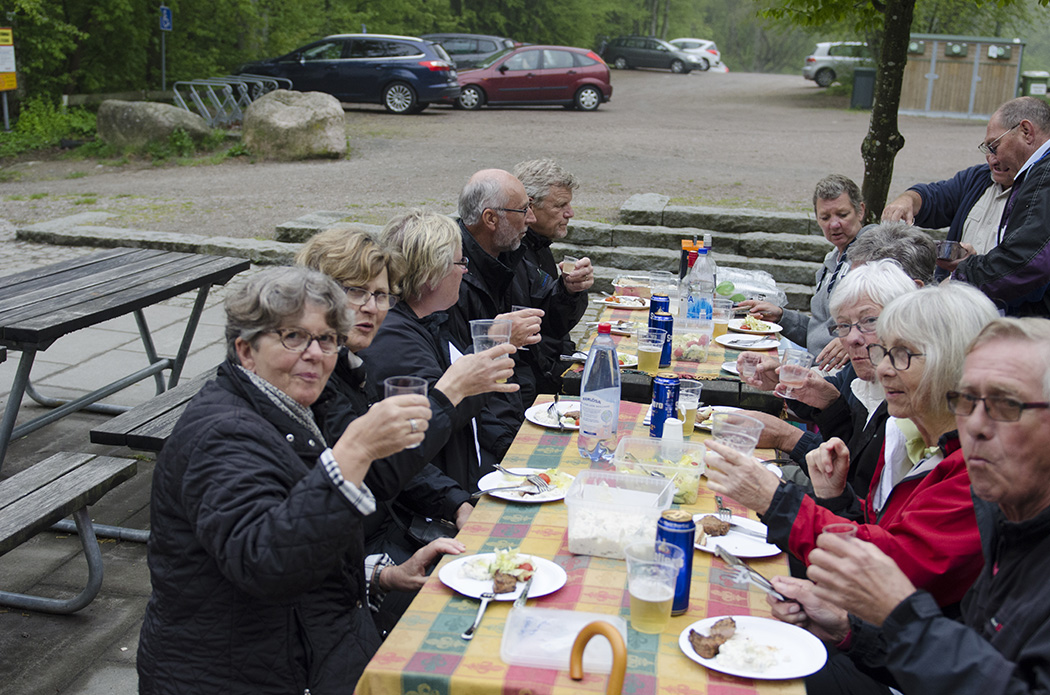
x=734, y=140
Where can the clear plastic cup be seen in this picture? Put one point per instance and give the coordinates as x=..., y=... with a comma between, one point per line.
x=652, y=571
x=650, y=346
x=488, y=333
x=401, y=385
x=688, y=403
x=794, y=367
x=737, y=431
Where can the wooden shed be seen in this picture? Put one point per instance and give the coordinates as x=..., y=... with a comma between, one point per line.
x=959, y=76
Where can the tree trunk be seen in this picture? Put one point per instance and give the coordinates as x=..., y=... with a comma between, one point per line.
x=884, y=140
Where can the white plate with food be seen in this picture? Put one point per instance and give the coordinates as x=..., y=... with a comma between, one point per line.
x=466, y=575
x=627, y=361
x=731, y=368
x=620, y=327
x=559, y=480
x=737, y=341
x=758, y=648
x=736, y=541
x=625, y=302
x=704, y=413
x=754, y=326
x=568, y=412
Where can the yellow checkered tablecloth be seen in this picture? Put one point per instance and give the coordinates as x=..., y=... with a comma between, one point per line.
x=425, y=655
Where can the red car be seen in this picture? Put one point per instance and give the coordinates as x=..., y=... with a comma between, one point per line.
x=528, y=75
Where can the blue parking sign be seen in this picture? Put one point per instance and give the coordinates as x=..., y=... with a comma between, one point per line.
x=165, y=18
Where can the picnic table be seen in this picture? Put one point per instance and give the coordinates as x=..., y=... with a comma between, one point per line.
x=424, y=652
x=39, y=306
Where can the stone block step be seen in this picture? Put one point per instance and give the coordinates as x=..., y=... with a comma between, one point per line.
x=655, y=209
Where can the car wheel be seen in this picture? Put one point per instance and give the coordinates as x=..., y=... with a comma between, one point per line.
x=471, y=98
x=399, y=98
x=588, y=98
x=678, y=66
x=824, y=77
x=704, y=65
x=621, y=63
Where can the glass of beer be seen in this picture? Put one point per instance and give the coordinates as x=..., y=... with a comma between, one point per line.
x=721, y=313
x=652, y=570
x=688, y=402
x=650, y=345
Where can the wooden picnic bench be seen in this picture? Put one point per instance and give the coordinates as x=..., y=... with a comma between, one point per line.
x=39, y=306
x=36, y=498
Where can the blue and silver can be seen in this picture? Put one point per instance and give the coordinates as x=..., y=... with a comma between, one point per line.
x=665, y=402
x=676, y=527
x=658, y=303
x=664, y=321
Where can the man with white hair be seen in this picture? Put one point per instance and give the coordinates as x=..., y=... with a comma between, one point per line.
x=1001, y=643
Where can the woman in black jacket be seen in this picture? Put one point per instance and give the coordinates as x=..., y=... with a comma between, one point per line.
x=256, y=548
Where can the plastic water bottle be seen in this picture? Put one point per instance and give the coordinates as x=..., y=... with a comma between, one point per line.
x=700, y=287
x=600, y=398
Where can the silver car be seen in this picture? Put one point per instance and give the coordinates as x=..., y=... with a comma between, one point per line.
x=629, y=52
x=831, y=59
x=705, y=53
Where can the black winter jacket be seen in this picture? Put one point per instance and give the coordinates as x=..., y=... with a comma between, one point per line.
x=255, y=557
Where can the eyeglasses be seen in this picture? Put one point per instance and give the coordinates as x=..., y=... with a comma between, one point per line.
x=992, y=148
x=998, y=408
x=523, y=211
x=900, y=356
x=359, y=296
x=864, y=326
x=462, y=262
x=298, y=340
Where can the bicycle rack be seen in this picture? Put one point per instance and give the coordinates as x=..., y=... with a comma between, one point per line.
x=221, y=101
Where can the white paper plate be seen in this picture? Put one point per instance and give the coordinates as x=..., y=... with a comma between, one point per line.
x=705, y=425
x=628, y=361
x=738, y=325
x=537, y=414
x=740, y=544
x=737, y=341
x=799, y=652
x=731, y=368
x=497, y=479
x=549, y=578
x=625, y=302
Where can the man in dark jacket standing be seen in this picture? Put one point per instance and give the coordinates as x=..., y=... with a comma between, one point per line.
x=1001, y=643
x=550, y=189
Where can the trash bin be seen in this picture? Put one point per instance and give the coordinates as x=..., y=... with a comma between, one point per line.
x=863, y=95
x=1033, y=83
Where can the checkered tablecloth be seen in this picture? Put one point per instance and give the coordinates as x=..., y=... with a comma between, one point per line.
x=426, y=656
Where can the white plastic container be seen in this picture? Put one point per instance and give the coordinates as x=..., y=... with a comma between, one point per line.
x=642, y=457
x=610, y=510
x=543, y=638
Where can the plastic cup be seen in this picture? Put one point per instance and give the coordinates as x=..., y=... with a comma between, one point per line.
x=652, y=571
x=747, y=364
x=488, y=333
x=950, y=250
x=568, y=264
x=721, y=313
x=841, y=530
x=401, y=385
x=737, y=431
x=794, y=366
x=650, y=345
x=663, y=282
x=688, y=403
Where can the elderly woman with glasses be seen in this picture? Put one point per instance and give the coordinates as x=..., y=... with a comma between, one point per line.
x=368, y=272
x=917, y=508
x=415, y=339
x=256, y=550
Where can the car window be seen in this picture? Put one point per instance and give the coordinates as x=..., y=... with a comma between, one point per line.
x=329, y=50
x=635, y=43
x=582, y=60
x=687, y=44
x=557, y=59
x=486, y=46
x=526, y=60
x=456, y=46
x=375, y=48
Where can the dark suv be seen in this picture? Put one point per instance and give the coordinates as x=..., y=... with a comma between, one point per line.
x=402, y=73
x=467, y=50
x=645, y=52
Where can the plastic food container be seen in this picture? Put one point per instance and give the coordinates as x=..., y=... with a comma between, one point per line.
x=543, y=638
x=633, y=286
x=640, y=456
x=610, y=510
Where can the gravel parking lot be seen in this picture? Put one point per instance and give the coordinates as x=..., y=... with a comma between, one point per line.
x=734, y=140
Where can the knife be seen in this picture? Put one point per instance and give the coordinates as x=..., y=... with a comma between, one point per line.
x=520, y=601
x=747, y=531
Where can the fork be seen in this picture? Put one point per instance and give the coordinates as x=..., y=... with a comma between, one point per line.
x=541, y=484
x=485, y=598
x=725, y=514
x=552, y=411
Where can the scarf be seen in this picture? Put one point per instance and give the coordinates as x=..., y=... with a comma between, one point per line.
x=286, y=404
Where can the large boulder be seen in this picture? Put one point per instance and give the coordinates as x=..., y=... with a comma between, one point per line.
x=137, y=123
x=295, y=125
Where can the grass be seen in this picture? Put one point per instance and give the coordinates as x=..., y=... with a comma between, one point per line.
x=76, y=174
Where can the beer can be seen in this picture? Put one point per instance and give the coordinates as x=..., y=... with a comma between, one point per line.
x=676, y=527
x=664, y=321
x=658, y=303
x=665, y=402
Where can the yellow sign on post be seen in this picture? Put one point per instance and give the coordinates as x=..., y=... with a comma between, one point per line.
x=7, y=60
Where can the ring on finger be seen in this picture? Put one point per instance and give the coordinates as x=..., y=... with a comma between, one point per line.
x=412, y=424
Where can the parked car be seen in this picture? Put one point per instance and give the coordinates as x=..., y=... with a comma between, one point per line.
x=572, y=77
x=831, y=59
x=646, y=52
x=706, y=55
x=467, y=50
x=403, y=73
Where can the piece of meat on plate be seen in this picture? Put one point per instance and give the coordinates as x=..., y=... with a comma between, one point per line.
x=713, y=526
x=503, y=583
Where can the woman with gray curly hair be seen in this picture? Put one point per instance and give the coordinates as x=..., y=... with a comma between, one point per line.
x=256, y=548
